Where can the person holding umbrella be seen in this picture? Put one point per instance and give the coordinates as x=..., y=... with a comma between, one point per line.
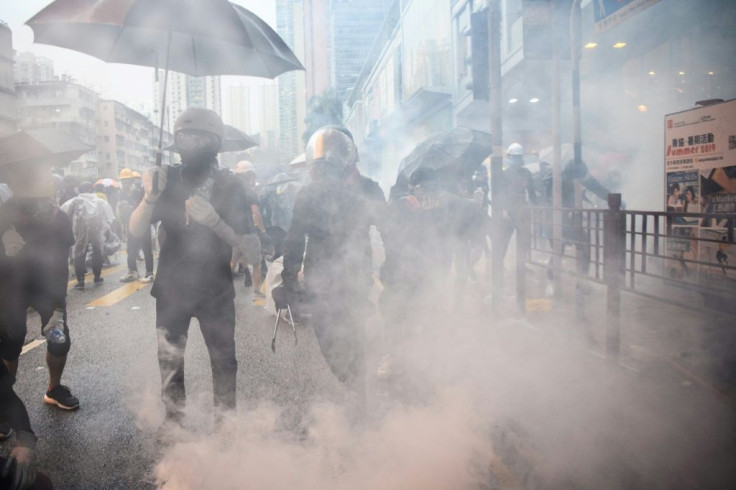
x=203, y=214
x=35, y=237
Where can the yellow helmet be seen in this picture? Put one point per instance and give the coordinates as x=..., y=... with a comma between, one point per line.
x=125, y=173
x=137, y=174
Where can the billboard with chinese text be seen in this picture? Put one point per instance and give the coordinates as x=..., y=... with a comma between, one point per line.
x=700, y=177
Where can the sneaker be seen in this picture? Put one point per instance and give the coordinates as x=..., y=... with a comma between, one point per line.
x=79, y=285
x=129, y=277
x=62, y=397
x=147, y=278
x=99, y=280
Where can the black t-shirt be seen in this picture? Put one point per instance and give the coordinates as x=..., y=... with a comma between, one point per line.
x=194, y=264
x=40, y=268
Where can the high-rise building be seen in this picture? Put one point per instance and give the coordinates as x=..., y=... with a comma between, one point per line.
x=8, y=114
x=353, y=29
x=184, y=91
x=237, y=108
x=317, y=46
x=30, y=68
x=292, y=86
x=268, y=111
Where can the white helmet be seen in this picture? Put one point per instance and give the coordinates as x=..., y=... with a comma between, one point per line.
x=515, y=149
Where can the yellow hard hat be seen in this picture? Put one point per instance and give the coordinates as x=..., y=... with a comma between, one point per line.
x=137, y=174
x=126, y=173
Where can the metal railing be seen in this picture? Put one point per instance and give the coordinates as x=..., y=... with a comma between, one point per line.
x=664, y=256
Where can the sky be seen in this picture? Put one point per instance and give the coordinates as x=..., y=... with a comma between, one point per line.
x=128, y=84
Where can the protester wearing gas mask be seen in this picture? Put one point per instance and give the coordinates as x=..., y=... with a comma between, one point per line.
x=202, y=212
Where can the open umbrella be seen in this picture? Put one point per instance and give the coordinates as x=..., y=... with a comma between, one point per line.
x=196, y=37
x=40, y=145
x=459, y=150
x=235, y=140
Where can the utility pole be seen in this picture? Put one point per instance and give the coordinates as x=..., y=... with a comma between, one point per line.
x=496, y=106
x=556, y=215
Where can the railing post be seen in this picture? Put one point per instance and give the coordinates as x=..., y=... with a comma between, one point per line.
x=523, y=242
x=613, y=267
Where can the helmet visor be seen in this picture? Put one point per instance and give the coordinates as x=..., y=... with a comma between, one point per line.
x=191, y=139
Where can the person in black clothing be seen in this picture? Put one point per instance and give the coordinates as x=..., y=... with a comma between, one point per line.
x=334, y=213
x=36, y=236
x=203, y=215
x=423, y=233
x=130, y=198
x=18, y=468
x=517, y=192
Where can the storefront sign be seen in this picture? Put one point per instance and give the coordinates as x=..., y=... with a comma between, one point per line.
x=608, y=13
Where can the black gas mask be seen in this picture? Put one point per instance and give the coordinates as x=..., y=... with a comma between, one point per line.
x=198, y=151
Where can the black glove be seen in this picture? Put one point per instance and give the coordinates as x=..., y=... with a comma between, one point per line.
x=281, y=296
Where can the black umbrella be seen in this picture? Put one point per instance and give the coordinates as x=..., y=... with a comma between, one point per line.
x=459, y=150
x=196, y=37
x=235, y=140
x=40, y=145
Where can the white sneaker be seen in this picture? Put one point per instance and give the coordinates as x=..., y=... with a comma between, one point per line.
x=147, y=278
x=129, y=277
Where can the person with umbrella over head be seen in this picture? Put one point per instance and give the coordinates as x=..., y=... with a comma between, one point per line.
x=329, y=235
x=36, y=237
x=130, y=196
x=203, y=213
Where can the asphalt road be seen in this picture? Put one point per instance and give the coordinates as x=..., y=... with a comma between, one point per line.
x=486, y=400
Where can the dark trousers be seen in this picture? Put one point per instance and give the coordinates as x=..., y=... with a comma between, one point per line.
x=80, y=259
x=217, y=323
x=339, y=328
x=134, y=245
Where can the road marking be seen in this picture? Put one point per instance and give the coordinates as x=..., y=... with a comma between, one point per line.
x=32, y=345
x=105, y=273
x=119, y=294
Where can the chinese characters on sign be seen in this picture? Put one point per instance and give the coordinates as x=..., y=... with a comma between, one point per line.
x=700, y=177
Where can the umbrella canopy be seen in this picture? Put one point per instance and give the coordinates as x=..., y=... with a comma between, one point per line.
x=458, y=150
x=108, y=182
x=235, y=140
x=40, y=145
x=196, y=37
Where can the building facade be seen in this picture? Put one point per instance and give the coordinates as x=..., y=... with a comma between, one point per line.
x=353, y=28
x=125, y=138
x=185, y=91
x=64, y=105
x=30, y=68
x=317, y=46
x=291, y=85
x=404, y=91
x=237, y=107
x=8, y=108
